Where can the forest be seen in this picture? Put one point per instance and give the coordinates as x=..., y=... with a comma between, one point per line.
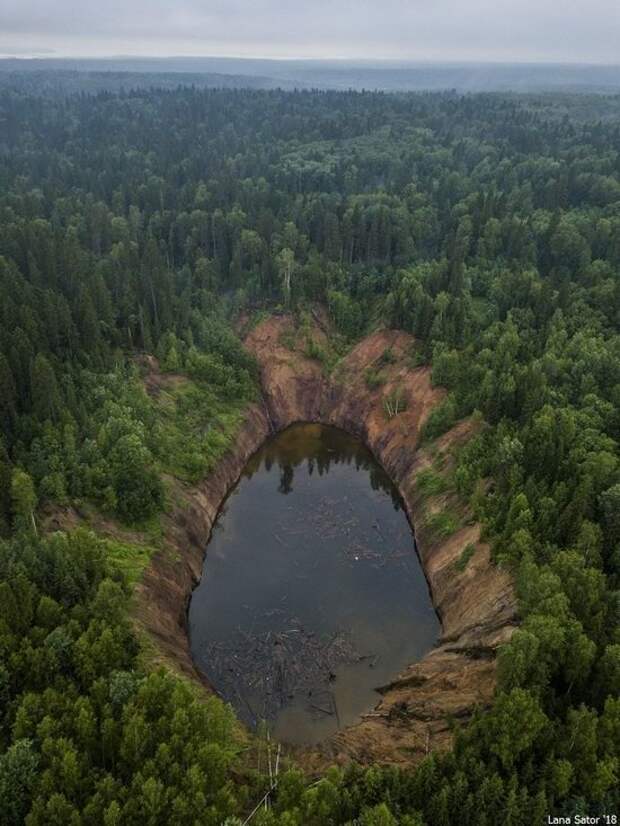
x=147, y=222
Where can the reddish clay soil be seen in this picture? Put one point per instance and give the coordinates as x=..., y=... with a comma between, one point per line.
x=476, y=605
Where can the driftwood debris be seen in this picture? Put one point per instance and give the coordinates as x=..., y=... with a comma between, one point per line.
x=263, y=672
x=273, y=661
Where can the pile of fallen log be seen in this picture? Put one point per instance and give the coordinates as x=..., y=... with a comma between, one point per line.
x=261, y=673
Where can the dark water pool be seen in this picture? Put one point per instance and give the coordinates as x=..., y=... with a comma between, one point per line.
x=312, y=594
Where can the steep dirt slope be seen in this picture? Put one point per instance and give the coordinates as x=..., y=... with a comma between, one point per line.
x=475, y=603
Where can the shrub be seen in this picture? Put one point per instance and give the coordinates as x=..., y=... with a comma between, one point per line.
x=443, y=524
x=440, y=420
x=468, y=551
x=373, y=378
x=430, y=483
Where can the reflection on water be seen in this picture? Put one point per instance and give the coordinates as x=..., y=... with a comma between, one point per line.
x=312, y=594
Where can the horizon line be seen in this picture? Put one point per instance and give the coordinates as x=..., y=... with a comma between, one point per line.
x=348, y=60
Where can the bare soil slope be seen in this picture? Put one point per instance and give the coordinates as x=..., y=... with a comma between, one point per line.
x=475, y=602
x=476, y=605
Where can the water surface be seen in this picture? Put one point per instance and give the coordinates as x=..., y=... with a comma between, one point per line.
x=312, y=594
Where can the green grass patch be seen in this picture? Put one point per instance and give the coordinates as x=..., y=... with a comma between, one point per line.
x=440, y=420
x=443, y=524
x=152, y=528
x=328, y=355
x=130, y=558
x=288, y=339
x=387, y=357
x=438, y=457
x=373, y=378
x=461, y=562
x=314, y=351
x=193, y=430
x=252, y=320
x=430, y=483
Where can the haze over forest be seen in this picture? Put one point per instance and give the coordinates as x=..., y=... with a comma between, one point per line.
x=446, y=30
x=128, y=72
x=393, y=45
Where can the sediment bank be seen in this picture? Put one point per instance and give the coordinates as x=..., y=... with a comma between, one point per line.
x=475, y=603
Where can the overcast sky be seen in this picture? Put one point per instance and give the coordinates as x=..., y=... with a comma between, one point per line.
x=493, y=30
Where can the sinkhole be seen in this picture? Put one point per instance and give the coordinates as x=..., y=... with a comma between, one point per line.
x=312, y=594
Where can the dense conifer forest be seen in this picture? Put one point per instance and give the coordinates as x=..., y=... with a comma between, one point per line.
x=141, y=222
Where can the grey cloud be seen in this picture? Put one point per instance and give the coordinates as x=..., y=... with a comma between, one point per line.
x=576, y=30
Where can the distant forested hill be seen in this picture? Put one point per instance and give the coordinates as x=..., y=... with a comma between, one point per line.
x=343, y=74
x=70, y=81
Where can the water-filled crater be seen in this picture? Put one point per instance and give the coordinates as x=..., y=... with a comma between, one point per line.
x=312, y=594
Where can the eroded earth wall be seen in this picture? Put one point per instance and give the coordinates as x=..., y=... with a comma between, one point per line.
x=475, y=602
